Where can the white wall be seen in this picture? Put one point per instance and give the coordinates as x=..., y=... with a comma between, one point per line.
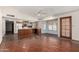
x=34, y=25
x=75, y=24
x=3, y=26
x=0, y=26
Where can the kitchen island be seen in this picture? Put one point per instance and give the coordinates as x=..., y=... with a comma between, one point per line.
x=28, y=32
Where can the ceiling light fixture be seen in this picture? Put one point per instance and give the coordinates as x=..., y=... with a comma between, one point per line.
x=41, y=15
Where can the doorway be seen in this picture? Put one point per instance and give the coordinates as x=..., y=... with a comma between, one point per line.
x=9, y=27
x=66, y=27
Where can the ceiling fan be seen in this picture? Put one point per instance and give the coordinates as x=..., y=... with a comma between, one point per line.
x=41, y=14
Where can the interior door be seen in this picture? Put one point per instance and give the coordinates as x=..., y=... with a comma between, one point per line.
x=66, y=27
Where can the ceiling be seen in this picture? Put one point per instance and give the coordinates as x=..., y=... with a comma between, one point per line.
x=47, y=10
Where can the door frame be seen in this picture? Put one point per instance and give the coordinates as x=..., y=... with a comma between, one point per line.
x=70, y=27
x=12, y=26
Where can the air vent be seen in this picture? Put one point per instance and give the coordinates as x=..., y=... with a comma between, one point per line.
x=10, y=15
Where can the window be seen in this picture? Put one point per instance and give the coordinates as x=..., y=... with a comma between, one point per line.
x=52, y=27
x=44, y=26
